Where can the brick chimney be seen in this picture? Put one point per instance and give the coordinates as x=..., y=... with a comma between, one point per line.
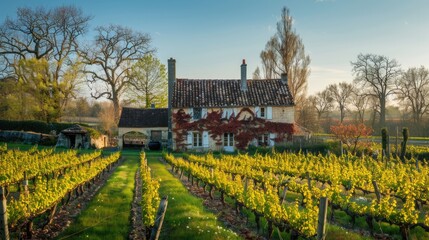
x=171, y=82
x=244, y=76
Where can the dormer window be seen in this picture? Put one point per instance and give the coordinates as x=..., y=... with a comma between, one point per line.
x=197, y=113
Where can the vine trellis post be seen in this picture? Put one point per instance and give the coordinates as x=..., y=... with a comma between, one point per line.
x=4, y=231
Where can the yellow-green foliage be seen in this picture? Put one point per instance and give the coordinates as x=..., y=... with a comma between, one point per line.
x=150, y=197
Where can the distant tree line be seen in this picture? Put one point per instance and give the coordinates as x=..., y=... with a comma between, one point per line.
x=379, y=85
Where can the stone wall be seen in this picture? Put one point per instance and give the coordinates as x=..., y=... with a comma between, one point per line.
x=25, y=137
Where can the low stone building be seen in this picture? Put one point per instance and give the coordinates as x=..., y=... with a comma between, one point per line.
x=137, y=127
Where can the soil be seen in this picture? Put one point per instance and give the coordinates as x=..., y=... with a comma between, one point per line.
x=138, y=231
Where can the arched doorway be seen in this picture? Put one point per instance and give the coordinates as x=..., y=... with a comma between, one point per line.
x=134, y=140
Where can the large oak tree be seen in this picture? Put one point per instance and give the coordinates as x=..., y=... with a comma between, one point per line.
x=377, y=75
x=109, y=60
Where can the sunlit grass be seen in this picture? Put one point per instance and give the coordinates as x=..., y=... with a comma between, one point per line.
x=108, y=214
x=186, y=217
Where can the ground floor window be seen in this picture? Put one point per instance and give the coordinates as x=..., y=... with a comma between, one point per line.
x=263, y=140
x=228, y=139
x=197, y=139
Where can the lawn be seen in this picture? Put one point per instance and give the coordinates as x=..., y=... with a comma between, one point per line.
x=186, y=217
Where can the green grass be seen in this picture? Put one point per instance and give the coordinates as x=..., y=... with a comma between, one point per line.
x=186, y=217
x=108, y=214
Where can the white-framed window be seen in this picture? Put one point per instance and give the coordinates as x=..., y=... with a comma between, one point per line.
x=197, y=139
x=228, y=139
x=263, y=140
x=262, y=112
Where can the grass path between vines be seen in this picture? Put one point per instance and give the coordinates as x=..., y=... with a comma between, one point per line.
x=108, y=214
x=186, y=217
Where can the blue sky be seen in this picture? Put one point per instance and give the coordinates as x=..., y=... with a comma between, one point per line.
x=209, y=39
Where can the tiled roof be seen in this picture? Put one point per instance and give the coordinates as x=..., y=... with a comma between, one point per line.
x=227, y=93
x=143, y=118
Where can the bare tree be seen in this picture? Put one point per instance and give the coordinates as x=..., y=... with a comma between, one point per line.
x=322, y=102
x=256, y=74
x=284, y=53
x=105, y=116
x=341, y=94
x=360, y=102
x=269, y=59
x=49, y=36
x=377, y=75
x=307, y=117
x=110, y=59
x=413, y=90
x=149, y=82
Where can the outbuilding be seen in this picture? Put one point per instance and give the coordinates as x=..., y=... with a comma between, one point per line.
x=137, y=127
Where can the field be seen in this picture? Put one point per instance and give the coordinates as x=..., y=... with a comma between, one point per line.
x=273, y=196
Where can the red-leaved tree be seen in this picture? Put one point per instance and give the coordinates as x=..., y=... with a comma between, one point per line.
x=350, y=134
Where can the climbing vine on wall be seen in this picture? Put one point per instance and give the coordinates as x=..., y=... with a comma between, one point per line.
x=245, y=126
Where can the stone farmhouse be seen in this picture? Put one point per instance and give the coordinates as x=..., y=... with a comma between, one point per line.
x=209, y=114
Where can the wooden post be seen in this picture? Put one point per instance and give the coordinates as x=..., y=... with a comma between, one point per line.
x=4, y=230
x=341, y=148
x=282, y=199
x=377, y=191
x=25, y=184
x=156, y=230
x=388, y=147
x=321, y=223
